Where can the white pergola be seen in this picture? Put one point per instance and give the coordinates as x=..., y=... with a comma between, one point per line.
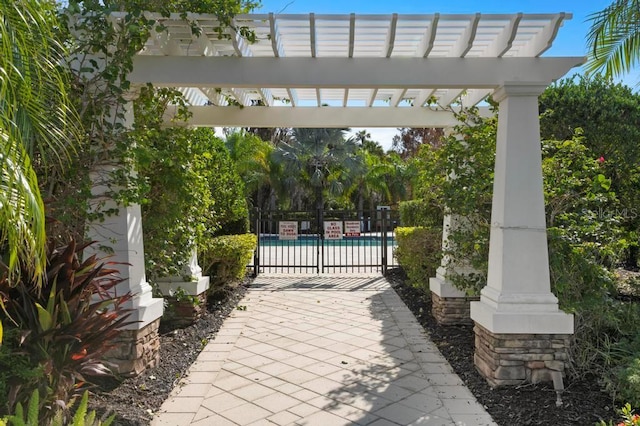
x=391, y=70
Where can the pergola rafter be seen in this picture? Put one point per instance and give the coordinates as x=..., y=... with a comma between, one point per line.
x=352, y=61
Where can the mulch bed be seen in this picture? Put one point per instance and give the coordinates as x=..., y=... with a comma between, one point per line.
x=582, y=401
x=135, y=399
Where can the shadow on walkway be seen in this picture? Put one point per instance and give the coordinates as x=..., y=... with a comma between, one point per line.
x=321, y=350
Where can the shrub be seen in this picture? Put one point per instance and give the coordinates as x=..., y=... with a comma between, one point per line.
x=64, y=328
x=630, y=381
x=420, y=213
x=585, y=239
x=418, y=253
x=225, y=258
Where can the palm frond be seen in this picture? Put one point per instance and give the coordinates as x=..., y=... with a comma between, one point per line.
x=21, y=209
x=614, y=38
x=36, y=118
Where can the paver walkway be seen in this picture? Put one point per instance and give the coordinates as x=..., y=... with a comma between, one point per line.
x=321, y=350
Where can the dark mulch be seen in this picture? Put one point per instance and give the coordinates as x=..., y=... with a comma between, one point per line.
x=136, y=398
x=582, y=401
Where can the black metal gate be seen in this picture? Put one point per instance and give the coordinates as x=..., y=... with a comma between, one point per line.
x=324, y=241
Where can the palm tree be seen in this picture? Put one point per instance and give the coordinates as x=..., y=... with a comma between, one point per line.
x=372, y=183
x=35, y=114
x=251, y=156
x=318, y=161
x=401, y=177
x=614, y=38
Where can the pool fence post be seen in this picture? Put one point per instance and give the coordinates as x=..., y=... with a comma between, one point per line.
x=384, y=242
x=256, y=253
x=320, y=245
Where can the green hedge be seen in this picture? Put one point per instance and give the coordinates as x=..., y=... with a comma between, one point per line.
x=420, y=213
x=225, y=258
x=418, y=252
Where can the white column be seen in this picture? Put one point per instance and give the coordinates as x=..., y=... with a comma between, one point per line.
x=191, y=281
x=518, y=298
x=119, y=236
x=440, y=284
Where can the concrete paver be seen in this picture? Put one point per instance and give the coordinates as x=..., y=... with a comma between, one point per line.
x=321, y=350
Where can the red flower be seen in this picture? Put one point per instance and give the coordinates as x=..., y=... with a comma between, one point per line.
x=601, y=160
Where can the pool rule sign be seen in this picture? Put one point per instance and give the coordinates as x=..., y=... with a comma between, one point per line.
x=333, y=230
x=351, y=228
x=288, y=230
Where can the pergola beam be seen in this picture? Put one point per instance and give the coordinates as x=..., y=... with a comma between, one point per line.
x=352, y=33
x=338, y=117
x=393, y=73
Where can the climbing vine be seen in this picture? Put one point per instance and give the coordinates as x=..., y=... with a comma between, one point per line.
x=103, y=37
x=457, y=178
x=193, y=187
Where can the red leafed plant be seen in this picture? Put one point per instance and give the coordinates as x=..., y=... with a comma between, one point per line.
x=66, y=326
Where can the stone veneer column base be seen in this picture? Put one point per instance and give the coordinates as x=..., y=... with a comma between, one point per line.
x=512, y=359
x=452, y=310
x=185, y=312
x=193, y=300
x=135, y=350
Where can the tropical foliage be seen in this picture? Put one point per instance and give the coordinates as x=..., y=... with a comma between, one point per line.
x=608, y=116
x=62, y=329
x=37, y=126
x=252, y=158
x=33, y=417
x=614, y=38
x=194, y=192
x=408, y=141
x=317, y=164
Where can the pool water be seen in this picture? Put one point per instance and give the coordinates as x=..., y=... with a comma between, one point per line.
x=362, y=241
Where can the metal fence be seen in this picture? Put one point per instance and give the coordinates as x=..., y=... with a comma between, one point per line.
x=329, y=241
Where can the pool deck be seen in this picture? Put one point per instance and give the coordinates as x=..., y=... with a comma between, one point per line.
x=321, y=350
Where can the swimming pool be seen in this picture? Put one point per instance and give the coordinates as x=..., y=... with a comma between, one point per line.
x=313, y=240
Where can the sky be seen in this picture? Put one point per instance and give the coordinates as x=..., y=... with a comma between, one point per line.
x=571, y=39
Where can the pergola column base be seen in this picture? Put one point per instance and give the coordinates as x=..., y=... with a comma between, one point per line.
x=187, y=300
x=513, y=359
x=135, y=350
x=449, y=306
x=517, y=346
